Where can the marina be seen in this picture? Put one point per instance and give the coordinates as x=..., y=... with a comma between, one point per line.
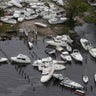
x=26, y=73
x=44, y=51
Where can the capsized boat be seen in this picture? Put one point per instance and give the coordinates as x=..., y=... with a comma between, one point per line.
x=92, y=51
x=85, y=44
x=21, y=59
x=65, y=55
x=85, y=79
x=3, y=60
x=77, y=55
x=46, y=74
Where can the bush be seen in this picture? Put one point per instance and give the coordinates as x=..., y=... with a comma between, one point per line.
x=7, y=27
x=90, y=19
x=1, y=12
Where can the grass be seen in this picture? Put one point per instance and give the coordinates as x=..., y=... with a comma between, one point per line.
x=90, y=19
x=5, y=27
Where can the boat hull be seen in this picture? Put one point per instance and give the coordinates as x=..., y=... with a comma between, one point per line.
x=46, y=78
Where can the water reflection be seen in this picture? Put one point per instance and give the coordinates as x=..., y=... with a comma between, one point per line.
x=21, y=71
x=31, y=76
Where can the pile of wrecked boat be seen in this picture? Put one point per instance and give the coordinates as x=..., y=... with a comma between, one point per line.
x=62, y=44
x=88, y=47
x=20, y=10
x=48, y=66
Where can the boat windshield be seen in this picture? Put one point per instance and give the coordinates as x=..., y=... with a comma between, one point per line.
x=87, y=43
x=21, y=58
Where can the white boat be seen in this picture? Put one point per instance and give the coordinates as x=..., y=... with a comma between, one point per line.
x=49, y=62
x=60, y=2
x=16, y=3
x=58, y=62
x=65, y=81
x=8, y=19
x=9, y=3
x=29, y=11
x=40, y=24
x=48, y=16
x=95, y=77
x=77, y=55
x=85, y=79
x=57, y=38
x=37, y=63
x=50, y=51
x=92, y=51
x=16, y=14
x=21, y=18
x=58, y=67
x=68, y=48
x=21, y=1
x=21, y=59
x=48, y=59
x=30, y=44
x=59, y=48
x=63, y=38
x=54, y=66
x=3, y=60
x=57, y=20
x=85, y=44
x=31, y=17
x=70, y=83
x=42, y=61
x=67, y=39
x=46, y=74
x=53, y=43
x=65, y=55
x=92, y=4
x=58, y=76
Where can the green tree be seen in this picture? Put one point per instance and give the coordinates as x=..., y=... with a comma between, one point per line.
x=75, y=7
x=1, y=12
